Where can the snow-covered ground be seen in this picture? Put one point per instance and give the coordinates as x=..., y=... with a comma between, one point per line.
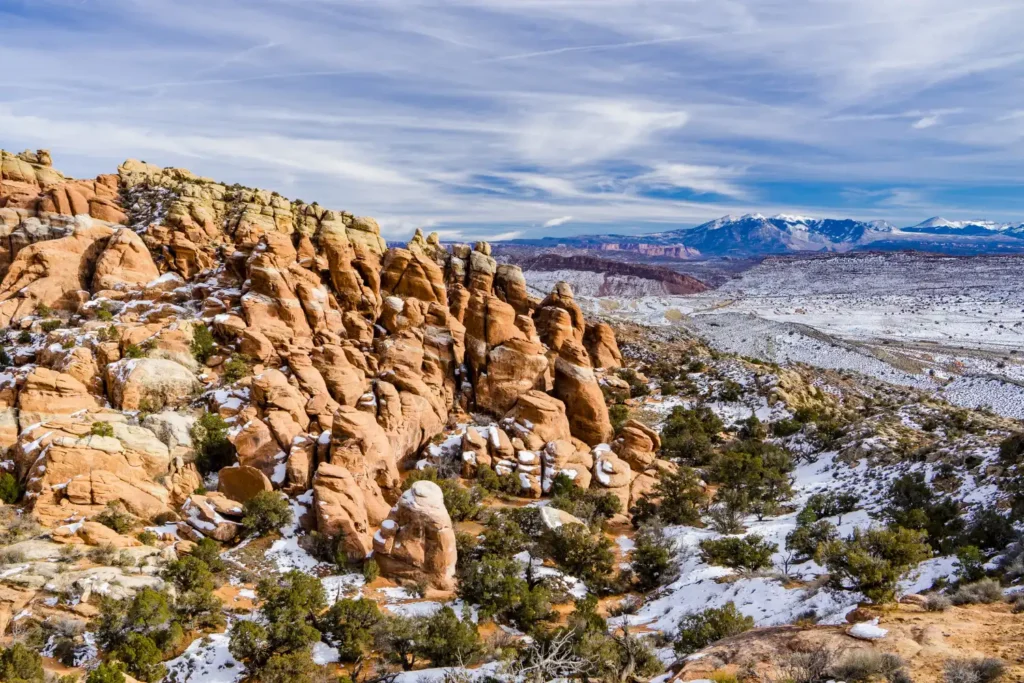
x=951, y=325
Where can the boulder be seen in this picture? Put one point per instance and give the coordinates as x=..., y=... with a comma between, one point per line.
x=599, y=339
x=242, y=482
x=125, y=261
x=576, y=385
x=416, y=543
x=341, y=509
x=637, y=444
x=150, y=384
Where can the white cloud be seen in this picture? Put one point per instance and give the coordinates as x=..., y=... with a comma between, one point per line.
x=700, y=179
x=508, y=112
x=555, y=222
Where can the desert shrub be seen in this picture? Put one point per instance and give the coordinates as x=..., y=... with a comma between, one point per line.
x=371, y=570
x=10, y=489
x=461, y=503
x=203, y=344
x=133, y=351
x=104, y=314
x=264, y=513
x=583, y=554
x=290, y=604
x=237, y=367
x=69, y=554
x=862, y=665
x=592, y=506
x=107, y=672
x=496, y=585
x=208, y=551
x=11, y=556
x=141, y=658
x=986, y=591
x=1011, y=450
x=19, y=664
x=688, y=434
x=757, y=470
x=989, y=530
x=980, y=670
x=189, y=573
x=291, y=667
x=116, y=517
x=487, y=478
x=348, y=625
x=785, y=427
x=449, y=641
x=24, y=337
x=873, y=561
x=503, y=535
x=805, y=539
x=654, y=558
x=396, y=637
x=147, y=538
x=830, y=504
x=752, y=428
x=210, y=438
x=914, y=505
x=105, y=554
x=50, y=325
x=726, y=516
x=700, y=629
x=676, y=499
x=637, y=387
x=101, y=429
x=970, y=563
x=730, y=391
x=747, y=553
x=618, y=415
x=937, y=603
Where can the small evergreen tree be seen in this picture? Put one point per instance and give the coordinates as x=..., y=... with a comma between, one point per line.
x=203, y=344
x=653, y=559
x=873, y=561
x=265, y=513
x=700, y=629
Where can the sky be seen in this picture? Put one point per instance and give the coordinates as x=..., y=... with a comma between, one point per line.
x=527, y=118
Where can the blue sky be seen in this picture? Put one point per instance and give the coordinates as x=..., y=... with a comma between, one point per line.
x=502, y=118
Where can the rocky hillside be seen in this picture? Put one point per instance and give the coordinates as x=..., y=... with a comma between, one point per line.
x=244, y=440
x=607, y=278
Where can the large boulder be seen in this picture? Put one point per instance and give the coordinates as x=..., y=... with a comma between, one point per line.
x=150, y=384
x=125, y=261
x=637, y=444
x=576, y=385
x=242, y=483
x=416, y=542
x=341, y=509
x=602, y=347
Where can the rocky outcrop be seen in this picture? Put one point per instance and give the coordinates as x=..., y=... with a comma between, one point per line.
x=416, y=543
x=576, y=385
x=334, y=360
x=599, y=339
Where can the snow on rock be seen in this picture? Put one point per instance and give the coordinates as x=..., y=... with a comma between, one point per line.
x=868, y=630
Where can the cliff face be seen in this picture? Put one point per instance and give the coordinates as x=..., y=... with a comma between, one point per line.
x=668, y=281
x=334, y=359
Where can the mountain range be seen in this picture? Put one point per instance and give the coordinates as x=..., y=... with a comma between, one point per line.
x=756, y=235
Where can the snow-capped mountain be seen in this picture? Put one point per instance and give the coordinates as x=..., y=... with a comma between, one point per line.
x=941, y=226
x=758, y=235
